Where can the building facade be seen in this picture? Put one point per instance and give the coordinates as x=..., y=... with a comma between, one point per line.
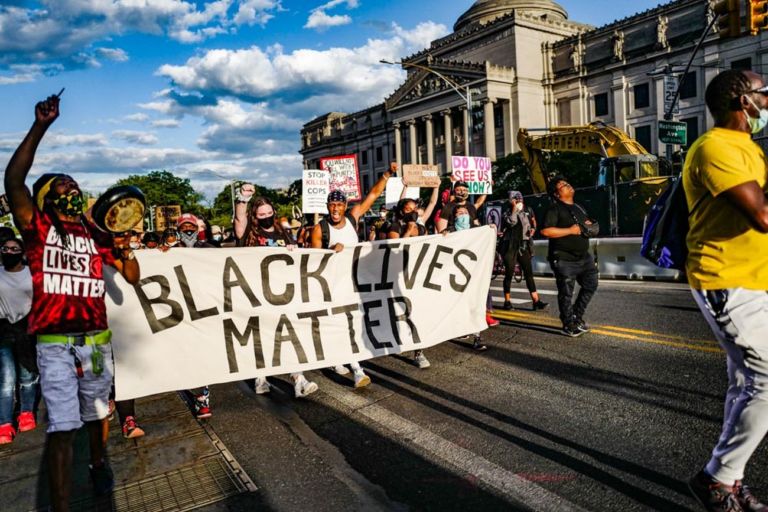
x=531, y=67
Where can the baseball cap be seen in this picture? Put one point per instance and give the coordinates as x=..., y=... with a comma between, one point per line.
x=460, y=184
x=515, y=194
x=184, y=218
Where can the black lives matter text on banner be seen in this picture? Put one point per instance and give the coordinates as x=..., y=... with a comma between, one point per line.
x=220, y=315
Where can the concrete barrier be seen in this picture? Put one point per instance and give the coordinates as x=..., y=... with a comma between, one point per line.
x=617, y=258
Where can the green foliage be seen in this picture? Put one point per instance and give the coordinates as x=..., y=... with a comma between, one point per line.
x=162, y=188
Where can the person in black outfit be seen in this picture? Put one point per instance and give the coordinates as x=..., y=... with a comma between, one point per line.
x=569, y=255
x=519, y=224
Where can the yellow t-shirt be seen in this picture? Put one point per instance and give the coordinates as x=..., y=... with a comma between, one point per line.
x=724, y=250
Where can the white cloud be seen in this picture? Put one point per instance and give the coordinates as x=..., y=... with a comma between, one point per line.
x=319, y=19
x=136, y=137
x=138, y=117
x=114, y=54
x=165, y=123
x=256, y=12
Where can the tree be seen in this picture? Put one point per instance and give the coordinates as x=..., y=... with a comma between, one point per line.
x=162, y=188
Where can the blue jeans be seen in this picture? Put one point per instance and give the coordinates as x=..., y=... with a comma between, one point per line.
x=28, y=385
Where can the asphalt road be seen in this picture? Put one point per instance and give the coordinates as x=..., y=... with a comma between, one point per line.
x=617, y=419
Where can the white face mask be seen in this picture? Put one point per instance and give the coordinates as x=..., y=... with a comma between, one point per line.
x=756, y=124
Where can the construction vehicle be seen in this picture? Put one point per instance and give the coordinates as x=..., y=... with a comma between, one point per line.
x=627, y=181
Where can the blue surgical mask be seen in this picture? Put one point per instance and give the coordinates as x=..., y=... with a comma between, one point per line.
x=756, y=124
x=462, y=222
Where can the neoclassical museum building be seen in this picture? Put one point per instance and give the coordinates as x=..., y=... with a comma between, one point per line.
x=529, y=66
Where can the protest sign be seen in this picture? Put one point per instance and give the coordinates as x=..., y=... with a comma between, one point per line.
x=344, y=175
x=422, y=175
x=493, y=216
x=205, y=316
x=5, y=208
x=315, y=187
x=475, y=171
x=165, y=217
x=395, y=189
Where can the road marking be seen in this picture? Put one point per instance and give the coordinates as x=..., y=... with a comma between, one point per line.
x=618, y=332
x=450, y=455
x=523, y=290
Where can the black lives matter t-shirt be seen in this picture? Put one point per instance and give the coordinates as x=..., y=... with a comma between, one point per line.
x=571, y=247
x=448, y=213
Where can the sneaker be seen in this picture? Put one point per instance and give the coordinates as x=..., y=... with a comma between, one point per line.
x=492, y=322
x=538, y=305
x=111, y=411
x=26, y=421
x=102, y=478
x=302, y=387
x=478, y=346
x=421, y=360
x=581, y=326
x=341, y=369
x=747, y=500
x=262, y=386
x=571, y=330
x=713, y=495
x=508, y=305
x=131, y=429
x=7, y=433
x=362, y=380
x=202, y=407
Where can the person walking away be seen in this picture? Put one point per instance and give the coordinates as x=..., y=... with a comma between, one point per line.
x=68, y=313
x=569, y=255
x=725, y=182
x=18, y=371
x=339, y=230
x=257, y=226
x=519, y=226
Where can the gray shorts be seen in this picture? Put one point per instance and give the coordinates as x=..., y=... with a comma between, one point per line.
x=72, y=400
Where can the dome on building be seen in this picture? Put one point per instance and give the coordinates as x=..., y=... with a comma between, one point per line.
x=483, y=11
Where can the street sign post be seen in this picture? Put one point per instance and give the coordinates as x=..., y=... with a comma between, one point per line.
x=670, y=90
x=673, y=132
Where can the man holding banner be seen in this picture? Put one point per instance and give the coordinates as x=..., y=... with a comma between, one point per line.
x=67, y=254
x=339, y=230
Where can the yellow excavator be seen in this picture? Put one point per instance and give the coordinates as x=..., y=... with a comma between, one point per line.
x=625, y=164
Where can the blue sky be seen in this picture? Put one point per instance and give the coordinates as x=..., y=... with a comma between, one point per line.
x=207, y=88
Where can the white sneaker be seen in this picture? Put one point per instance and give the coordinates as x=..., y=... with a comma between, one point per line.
x=341, y=369
x=361, y=379
x=421, y=361
x=302, y=387
x=262, y=386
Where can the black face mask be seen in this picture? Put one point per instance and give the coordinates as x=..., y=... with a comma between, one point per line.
x=10, y=260
x=411, y=217
x=266, y=222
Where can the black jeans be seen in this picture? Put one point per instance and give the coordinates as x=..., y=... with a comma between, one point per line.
x=567, y=274
x=511, y=257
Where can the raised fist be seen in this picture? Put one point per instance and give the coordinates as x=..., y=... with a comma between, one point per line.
x=47, y=111
x=245, y=192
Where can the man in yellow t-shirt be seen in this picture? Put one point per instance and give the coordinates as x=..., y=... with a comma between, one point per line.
x=724, y=178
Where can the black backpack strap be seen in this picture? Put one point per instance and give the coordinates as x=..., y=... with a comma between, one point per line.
x=325, y=228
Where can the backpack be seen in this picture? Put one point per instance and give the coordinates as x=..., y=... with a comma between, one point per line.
x=666, y=228
x=325, y=227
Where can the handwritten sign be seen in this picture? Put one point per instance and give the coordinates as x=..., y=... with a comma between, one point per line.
x=422, y=175
x=315, y=187
x=475, y=171
x=395, y=189
x=344, y=175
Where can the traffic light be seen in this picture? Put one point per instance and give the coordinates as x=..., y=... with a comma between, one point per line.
x=729, y=18
x=757, y=16
x=478, y=116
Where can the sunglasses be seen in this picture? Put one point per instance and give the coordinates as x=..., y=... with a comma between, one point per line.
x=12, y=250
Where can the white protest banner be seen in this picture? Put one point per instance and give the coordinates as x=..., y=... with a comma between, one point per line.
x=475, y=171
x=206, y=316
x=344, y=175
x=422, y=175
x=395, y=189
x=315, y=187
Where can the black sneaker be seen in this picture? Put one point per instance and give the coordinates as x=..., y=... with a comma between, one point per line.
x=571, y=330
x=713, y=495
x=747, y=500
x=478, y=346
x=508, y=305
x=581, y=325
x=540, y=305
x=102, y=478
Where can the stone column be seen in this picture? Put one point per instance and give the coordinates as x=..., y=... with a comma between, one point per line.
x=509, y=137
x=398, y=145
x=412, y=140
x=489, y=129
x=430, y=139
x=467, y=135
x=448, y=123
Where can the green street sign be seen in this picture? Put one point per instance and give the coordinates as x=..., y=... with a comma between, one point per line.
x=673, y=132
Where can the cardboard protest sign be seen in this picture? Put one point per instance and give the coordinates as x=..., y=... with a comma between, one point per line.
x=475, y=170
x=315, y=187
x=344, y=175
x=269, y=311
x=422, y=175
x=165, y=216
x=395, y=189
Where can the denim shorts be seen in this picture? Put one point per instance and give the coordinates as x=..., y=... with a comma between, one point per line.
x=69, y=399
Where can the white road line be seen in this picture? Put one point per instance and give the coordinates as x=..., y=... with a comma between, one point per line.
x=452, y=456
x=517, y=290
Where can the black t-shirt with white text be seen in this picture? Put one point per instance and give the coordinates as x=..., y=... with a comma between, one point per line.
x=448, y=213
x=571, y=247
